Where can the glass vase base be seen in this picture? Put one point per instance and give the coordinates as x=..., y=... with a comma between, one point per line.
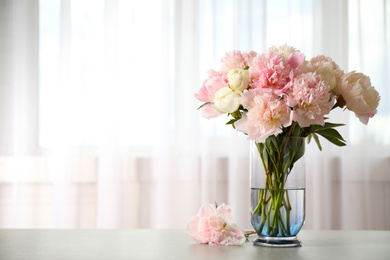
x=277, y=241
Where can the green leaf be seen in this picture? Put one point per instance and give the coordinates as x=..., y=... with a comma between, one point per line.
x=331, y=125
x=203, y=105
x=269, y=146
x=232, y=121
x=317, y=141
x=332, y=136
x=300, y=152
x=274, y=143
x=308, y=140
x=296, y=130
x=286, y=157
x=264, y=155
x=334, y=141
x=331, y=133
x=246, y=68
x=316, y=128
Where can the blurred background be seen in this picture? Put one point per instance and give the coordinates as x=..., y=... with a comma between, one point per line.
x=98, y=120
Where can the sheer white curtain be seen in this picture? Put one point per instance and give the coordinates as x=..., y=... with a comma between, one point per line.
x=99, y=127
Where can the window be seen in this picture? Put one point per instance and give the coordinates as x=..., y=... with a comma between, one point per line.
x=99, y=83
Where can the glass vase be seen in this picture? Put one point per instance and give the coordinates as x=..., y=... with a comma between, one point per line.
x=278, y=190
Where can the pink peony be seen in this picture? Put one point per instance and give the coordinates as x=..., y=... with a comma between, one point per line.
x=210, y=226
x=270, y=71
x=296, y=59
x=310, y=98
x=359, y=95
x=237, y=60
x=210, y=86
x=267, y=113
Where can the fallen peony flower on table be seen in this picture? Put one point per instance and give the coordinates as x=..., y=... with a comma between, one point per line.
x=210, y=226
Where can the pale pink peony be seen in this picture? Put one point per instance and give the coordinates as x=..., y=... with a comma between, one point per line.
x=324, y=61
x=267, y=113
x=236, y=60
x=210, y=86
x=310, y=99
x=270, y=71
x=210, y=226
x=284, y=49
x=359, y=95
x=294, y=57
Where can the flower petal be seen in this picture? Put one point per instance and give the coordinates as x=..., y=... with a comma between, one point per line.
x=234, y=236
x=295, y=59
x=225, y=212
x=192, y=228
x=206, y=211
x=208, y=111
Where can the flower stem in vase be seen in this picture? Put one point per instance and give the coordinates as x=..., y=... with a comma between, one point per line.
x=287, y=208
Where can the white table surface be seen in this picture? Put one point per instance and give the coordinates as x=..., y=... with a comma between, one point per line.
x=22, y=244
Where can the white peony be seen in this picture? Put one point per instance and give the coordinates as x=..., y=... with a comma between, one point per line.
x=328, y=76
x=227, y=100
x=359, y=95
x=239, y=79
x=328, y=70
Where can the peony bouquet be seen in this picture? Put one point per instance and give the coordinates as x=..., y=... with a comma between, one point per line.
x=275, y=96
x=265, y=93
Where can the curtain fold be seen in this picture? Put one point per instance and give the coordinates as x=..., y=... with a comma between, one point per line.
x=98, y=120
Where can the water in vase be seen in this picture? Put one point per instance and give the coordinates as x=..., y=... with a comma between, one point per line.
x=281, y=213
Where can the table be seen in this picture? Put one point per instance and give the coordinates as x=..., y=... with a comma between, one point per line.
x=20, y=244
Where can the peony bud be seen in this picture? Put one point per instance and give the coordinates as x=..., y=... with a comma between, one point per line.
x=239, y=79
x=226, y=100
